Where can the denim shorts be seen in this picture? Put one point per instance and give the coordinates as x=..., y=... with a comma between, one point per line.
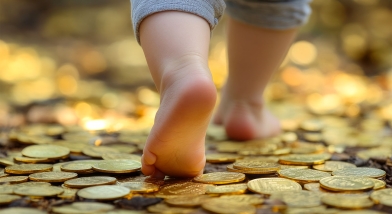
x=272, y=14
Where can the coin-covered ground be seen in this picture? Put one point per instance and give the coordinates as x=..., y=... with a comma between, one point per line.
x=77, y=103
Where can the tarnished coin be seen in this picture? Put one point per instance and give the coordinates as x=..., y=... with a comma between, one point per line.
x=117, y=166
x=98, y=151
x=360, y=171
x=81, y=166
x=221, y=158
x=6, y=199
x=347, y=202
x=330, y=166
x=300, y=198
x=21, y=210
x=52, y=176
x=39, y=191
x=246, y=199
x=220, y=177
x=378, y=184
x=68, y=194
x=120, y=156
x=304, y=159
x=24, y=169
x=187, y=201
x=90, y=181
x=163, y=208
x=268, y=186
x=32, y=184
x=104, y=192
x=83, y=208
x=227, y=189
x=218, y=206
x=140, y=187
x=46, y=151
x=256, y=165
x=14, y=179
x=303, y=175
x=346, y=183
x=377, y=195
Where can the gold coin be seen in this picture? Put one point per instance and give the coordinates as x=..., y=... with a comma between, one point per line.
x=268, y=186
x=221, y=158
x=20, y=210
x=89, y=181
x=289, y=137
x=359, y=212
x=81, y=166
x=378, y=184
x=218, y=206
x=310, y=210
x=6, y=162
x=39, y=191
x=123, y=147
x=6, y=199
x=163, y=208
x=227, y=189
x=220, y=177
x=7, y=189
x=181, y=188
x=315, y=187
x=347, y=202
x=140, y=187
x=377, y=195
x=312, y=125
x=2, y=173
x=73, y=146
x=256, y=165
x=32, y=184
x=28, y=168
x=330, y=166
x=346, y=183
x=282, y=166
x=83, y=208
x=299, y=198
x=360, y=171
x=117, y=166
x=68, y=193
x=121, y=156
x=104, y=192
x=386, y=200
x=32, y=160
x=46, y=151
x=14, y=179
x=303, y=175
x=304, y=159
x=187, y=201
x=246, y=199
x=230, y=168
x=98, y=151
x=52, y=176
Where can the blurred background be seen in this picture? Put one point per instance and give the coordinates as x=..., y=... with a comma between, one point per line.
x=78, y=63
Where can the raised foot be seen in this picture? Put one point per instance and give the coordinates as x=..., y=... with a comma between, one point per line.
x=175, y=146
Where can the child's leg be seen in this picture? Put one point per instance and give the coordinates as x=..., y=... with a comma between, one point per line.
x=254, y=53
x=176, y=48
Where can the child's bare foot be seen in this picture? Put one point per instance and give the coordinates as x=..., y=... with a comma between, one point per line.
x=175, y=146
x=245, y=119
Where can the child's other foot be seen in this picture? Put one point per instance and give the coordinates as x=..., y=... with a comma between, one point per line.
x=175, y=146
x=245, y=119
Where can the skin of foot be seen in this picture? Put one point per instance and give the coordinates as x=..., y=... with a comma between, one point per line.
x=176, y=48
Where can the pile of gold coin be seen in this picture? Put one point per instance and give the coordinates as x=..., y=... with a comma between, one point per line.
x=299, y=174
